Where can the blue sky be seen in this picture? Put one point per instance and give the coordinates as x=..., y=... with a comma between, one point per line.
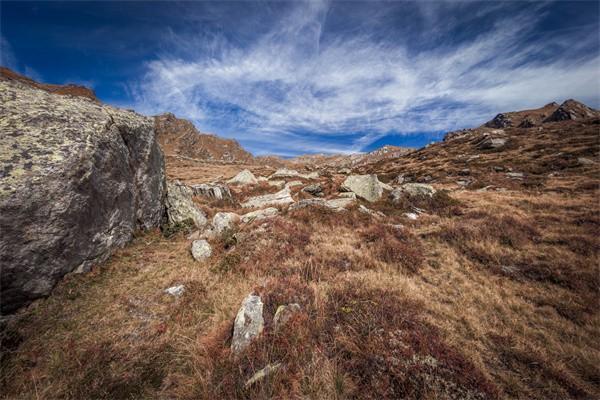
x=311, y=77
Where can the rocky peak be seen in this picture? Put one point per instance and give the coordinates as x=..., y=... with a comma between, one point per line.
x=572, y=110
x=69, y=89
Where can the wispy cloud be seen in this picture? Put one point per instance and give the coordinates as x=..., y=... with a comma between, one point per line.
x=301, y=87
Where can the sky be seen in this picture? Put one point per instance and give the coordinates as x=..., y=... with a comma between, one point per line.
x=290, y=78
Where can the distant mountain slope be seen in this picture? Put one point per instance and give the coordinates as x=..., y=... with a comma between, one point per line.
x=70, y=89
x=179, y=137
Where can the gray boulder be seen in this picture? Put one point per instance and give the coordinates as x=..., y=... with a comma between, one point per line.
x=248, y=324
x=201, y=250
x=367, y=187
x=181, y=207
x=258, y=215
x=212, y=190
x=412, y=190
x=489, y=143
x=315, y=189
x=77, y=179
x=284, y=314
x=223, y=221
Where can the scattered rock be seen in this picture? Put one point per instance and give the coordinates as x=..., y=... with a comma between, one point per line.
x=246, y=177
x=500, y=121
x=572, y=110
x=175, y=290
x=279, y=184
x=223, y=221
x=201, y=250
x=374, y=213
x=412, y=216
x=498, y=168
x=315, y=189
x=284, y=196
x=262, y=374
x=285, y=173
x=349, y=195
x=585, y=161
x=293, y=183
x=181, y=207
x=367, y=187
x=515, y=175
x=284, y=313
x=212, y=190
x=488, y=143
x=412, y=189
x=248, y=323
x=334, y=204
x=260, y=214
x=399, y=179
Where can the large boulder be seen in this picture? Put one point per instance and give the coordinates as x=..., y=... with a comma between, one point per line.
x=412, y=190
x=77, y=179
x=258, y=215
x=367, y=187
x=216, y=191
x=248, y=324
x=181, y=207
x=284, y=196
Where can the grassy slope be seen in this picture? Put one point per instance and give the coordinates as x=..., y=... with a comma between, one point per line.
x=490, y=295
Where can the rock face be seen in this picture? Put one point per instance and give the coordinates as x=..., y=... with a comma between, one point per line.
x=248, y=323
x=201, y=250
x=284, y=196
x=77, y=179
x=181, y=207
x=367, y=187
x=244, y=178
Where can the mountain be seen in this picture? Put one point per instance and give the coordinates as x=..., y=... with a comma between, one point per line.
x=179, y=137
x=70, y=89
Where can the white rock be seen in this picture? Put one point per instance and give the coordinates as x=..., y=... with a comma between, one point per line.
x=293, y=183
x=284, y=196
x=260, y=214
x=224, y=220
x=249, y=323
x=175, y=290
x=246, y=177
x=180, y=206
x=201, y=250
x=412, y=189
x=366, y=210
x=412, y=216
x=350, y=195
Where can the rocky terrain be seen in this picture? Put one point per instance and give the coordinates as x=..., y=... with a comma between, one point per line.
x=463, y=270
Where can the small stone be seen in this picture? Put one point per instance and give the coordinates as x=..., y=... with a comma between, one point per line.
x=201, y=250
x=284, y=313
x=315, y=189
x=262, y=374
x=411, y=216
x=175, y=290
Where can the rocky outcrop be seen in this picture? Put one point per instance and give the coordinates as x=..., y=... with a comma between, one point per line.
x=500, y=121
x=77, y=180
x=65, y=90
x=284, y=196
x=572, y=110
x=212, y=190
x=248, y=324
x=367, y=187
x=181, y=207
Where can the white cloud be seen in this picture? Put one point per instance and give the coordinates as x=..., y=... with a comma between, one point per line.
x=290, y=81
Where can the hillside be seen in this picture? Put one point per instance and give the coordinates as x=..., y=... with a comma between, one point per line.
x=464, y=270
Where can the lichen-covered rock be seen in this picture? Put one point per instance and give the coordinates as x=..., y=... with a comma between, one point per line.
x=367, y=187
x=284, y=314
x=411, y=190
x=258, y=215
x=248, y=323
x=181, y=207
x=201, y=250
x=212, y=190
x=77, y=178
x=284, y=196
x=223, y=221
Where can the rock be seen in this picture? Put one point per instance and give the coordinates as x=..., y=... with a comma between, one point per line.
x=312, y=175
x=498, y=168
x=473, y=158
x=527, y=123
x=572, y=110
x=260, y=214
x=349, y=195
x=194, y=235
x=345, y=171
x=334, y=204
x=212, y=190
x=515, y=175
x=77, y=179
x=223, y=221
x=500, y=121
x=488, y=143
x=464, y=172
x=175, y=290
x=315, y=189
x=181, y=207
x=284, y=173
x=248, y=323
x=279, y=184
x=368, y=211
x=293, y=183
x=411, y=216
x=262, y=374
x=284, y=313
x=399, y=179
x=367, y=187
x=201, y=250
x=244, y=178
x=412, y=190
x=585, y=161
x=284, y=196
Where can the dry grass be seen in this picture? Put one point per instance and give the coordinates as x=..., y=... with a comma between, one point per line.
x=487, y=295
